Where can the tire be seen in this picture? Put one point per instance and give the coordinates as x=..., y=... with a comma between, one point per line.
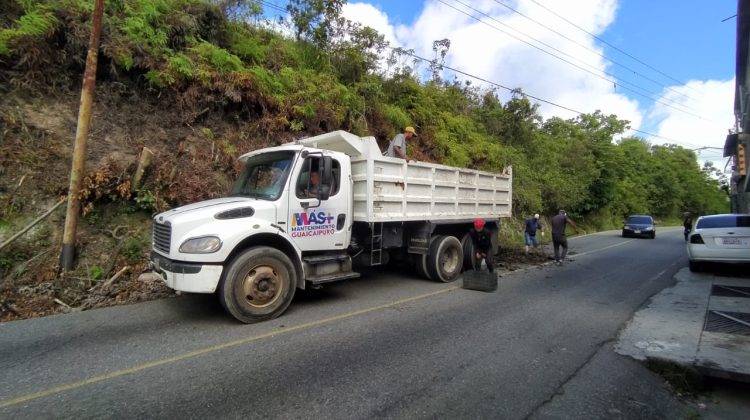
x=695, y=266
x=653, y=235
x=258, y=285
x=494, y=239
x=420, y=263
x=468, y=246
x=445, y=260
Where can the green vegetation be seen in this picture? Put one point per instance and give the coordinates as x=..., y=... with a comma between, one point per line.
x=332, y=74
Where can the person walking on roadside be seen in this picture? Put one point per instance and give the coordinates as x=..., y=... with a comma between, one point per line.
x=532, y=226
x=687, y=223
x=559, y=222
x=482, y=241
x=397, y=147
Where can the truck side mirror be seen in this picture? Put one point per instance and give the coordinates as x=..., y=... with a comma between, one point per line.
x=326, y=178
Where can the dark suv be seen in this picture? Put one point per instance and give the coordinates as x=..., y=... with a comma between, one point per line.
x=639, y=225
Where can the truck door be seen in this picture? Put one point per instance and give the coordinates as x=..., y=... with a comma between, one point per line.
x=315, y=224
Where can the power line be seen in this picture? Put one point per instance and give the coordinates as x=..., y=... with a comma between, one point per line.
x=614, y=47
x=656, y=82
x=615, y=83
x=402, y=51
x=272, y=6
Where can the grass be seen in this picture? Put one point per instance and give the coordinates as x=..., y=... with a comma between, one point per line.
x=684, y=381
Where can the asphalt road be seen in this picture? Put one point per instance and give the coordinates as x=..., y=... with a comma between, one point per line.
x=386, y=345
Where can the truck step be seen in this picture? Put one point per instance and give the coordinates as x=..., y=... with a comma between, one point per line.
x=333, y=277
x=317, y=259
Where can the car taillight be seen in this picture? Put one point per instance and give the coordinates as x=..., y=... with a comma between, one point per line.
x=696, y=239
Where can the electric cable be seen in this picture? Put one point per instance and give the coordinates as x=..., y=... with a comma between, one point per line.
x=614, y=47
x=615, y=83
x=656, y=82
x=402, y=51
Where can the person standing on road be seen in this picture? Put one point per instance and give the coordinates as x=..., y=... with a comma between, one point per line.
x=559, y=222
x=397, y=147
x=687, y=223
x=482, y=241
x=532, y=226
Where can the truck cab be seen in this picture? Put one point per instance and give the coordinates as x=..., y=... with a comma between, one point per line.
x=286, y=222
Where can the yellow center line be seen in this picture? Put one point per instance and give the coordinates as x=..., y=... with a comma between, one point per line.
x=184, y=356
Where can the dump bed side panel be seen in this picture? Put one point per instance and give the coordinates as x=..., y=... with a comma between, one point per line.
x=389, y=189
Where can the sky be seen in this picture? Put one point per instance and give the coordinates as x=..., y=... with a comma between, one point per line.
x=666, y=66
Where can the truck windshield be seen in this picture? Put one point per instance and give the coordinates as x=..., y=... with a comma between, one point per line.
x=264, y=176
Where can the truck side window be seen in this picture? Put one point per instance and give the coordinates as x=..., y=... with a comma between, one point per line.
x=309, y=178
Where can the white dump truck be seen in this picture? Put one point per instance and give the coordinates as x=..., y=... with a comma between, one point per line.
x=313, y=211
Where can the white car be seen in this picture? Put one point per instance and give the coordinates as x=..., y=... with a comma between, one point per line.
x=721, y=238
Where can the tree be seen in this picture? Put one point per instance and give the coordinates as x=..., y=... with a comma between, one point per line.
x=357, y=54
x=440, y=48
x=239, y=10
x=317, y=20
x=519, y=120
x=598, y=133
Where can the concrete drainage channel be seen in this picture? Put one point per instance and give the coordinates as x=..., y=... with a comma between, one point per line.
x=728, y=322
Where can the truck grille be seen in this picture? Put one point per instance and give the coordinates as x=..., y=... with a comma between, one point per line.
x=162, y=236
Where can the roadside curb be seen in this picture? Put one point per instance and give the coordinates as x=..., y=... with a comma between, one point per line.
x=675, y=328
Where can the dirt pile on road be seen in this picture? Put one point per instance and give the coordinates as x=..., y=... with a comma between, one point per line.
x=513, y=259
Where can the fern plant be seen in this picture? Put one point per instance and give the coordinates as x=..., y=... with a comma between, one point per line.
x=38, y=22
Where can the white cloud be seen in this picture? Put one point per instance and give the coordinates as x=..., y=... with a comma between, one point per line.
x=707, y=113
x=373, y=17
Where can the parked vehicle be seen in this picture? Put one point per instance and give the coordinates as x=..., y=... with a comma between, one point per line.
x=720, y=238
x=639, y=225
x=310, y=212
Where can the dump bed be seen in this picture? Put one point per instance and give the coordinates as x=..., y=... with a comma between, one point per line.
x=390, y=189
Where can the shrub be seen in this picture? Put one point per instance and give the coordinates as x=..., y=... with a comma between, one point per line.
x=36, y=23
x=219, y=58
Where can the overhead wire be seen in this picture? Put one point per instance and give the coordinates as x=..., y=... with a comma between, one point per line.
x=593, y=51
x=623, y=84
x=272, y=6
x=614, y=47
x=493, y=83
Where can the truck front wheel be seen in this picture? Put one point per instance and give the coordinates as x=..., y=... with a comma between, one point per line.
x=446, y=259
x=257, y=285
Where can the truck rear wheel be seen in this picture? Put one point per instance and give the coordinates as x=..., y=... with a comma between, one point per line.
x=420, y=263
x=446, y=258
x=257, y=285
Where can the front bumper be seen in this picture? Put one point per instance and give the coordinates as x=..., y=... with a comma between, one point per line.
x=186, y=277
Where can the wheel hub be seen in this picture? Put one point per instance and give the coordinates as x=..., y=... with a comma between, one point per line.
x=261, y=286
x=450, y=260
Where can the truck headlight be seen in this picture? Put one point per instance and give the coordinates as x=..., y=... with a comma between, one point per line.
x=201, y=245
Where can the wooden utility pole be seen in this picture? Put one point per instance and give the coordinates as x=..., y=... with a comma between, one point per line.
x=67, y=256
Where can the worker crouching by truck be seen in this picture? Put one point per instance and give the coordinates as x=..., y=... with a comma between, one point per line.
x=482, y=240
